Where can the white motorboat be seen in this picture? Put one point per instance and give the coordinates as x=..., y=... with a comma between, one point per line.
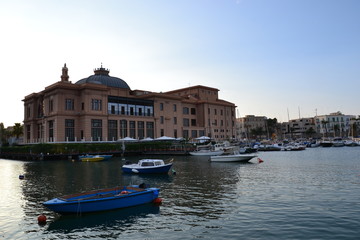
x=235, y=157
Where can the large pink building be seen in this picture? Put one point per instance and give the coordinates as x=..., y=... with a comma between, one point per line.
x=104, y=108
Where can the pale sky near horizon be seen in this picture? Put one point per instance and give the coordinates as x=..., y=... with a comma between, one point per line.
x=269, y=57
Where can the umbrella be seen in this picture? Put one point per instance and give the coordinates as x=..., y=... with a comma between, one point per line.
x=203, y=138
x=128, y=139
x=148, y=139
x=165, y=138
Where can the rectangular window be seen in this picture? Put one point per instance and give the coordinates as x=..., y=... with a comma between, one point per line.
x=113, y=130
x=69, y=130
x=122, y=112
x=149, y=111
x=185, y=110
x=186, y=122
x=141, y=130
x=123, y=128
x=51, y=105
x=175, y=120
x=132, y=129
x=193, y=122
x=201, y=133
x=150, y=129
x=161, y=106
x=193, y=111
x=96, y=129
x=175, y=108
x=185, y=133
x=69, y=104
x=113, y=108
x=51, y=130
x=161, y=119
x=162, y=132
x=96, y=104
x=175, y=133
x=193, y=133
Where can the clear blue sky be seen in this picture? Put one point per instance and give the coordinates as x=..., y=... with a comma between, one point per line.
x=266, y=56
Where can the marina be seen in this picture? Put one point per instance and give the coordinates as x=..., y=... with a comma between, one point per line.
x=311, y=194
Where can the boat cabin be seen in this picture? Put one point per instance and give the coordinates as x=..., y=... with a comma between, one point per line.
x=151, y=162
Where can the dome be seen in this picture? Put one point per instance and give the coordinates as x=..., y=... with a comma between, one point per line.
x=102, y=77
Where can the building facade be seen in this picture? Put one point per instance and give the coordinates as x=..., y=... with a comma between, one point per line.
x=250, y=123
x=299, y=128
x=334, y=125
x=104, y=108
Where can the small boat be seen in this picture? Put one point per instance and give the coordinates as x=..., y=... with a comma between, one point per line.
x=94, y=158
x=234, y=157
x=206, y=152
x=148, y=166
x=103, y=200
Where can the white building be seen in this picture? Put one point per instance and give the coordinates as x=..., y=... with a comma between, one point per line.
x=334, y=125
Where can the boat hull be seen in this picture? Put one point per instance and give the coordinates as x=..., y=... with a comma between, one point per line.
x=232, y=158
x=206, y=153
x=86, y=158
x=101, y=200
x=146, y=170
x=92, y=159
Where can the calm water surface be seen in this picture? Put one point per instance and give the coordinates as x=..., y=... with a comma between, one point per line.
x=311, y=194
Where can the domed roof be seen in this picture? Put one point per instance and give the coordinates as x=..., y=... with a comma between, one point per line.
x=102, y=77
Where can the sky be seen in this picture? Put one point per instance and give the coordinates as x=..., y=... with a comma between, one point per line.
x=281, y=59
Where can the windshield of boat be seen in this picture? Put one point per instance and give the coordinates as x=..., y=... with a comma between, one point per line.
x=146, y=164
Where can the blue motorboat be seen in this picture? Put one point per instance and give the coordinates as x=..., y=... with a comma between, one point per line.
x=148, y=166
x=103, y=200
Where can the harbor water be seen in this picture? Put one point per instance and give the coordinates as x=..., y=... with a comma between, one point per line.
x=310, y=194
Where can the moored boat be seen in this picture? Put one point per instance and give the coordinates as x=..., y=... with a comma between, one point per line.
x=94, y=158
x=236, y=157
x=148, y=166
x=206, y=152
x=102, y=200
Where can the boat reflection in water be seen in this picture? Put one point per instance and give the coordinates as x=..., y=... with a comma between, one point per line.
x=120, y=218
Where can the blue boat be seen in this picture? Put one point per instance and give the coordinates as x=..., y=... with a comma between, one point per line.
x=103, y=200
x=87, y=157
x=148, y=166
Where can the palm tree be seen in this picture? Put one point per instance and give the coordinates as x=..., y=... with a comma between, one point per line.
x=17, y=130
x=336, y=129
x=324, y=123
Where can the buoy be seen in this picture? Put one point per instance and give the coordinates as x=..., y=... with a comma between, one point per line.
x=157, y=201
x=42, y=219
x=21, y=176
x=124, y=192
x=260, y=160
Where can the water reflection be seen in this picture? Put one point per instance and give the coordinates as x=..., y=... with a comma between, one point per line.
x=117, y=219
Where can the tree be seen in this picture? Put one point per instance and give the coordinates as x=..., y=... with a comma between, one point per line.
x=324, y=123
x=336, y=129
x=2, y=131
x=310, y=132
x=17, y=130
